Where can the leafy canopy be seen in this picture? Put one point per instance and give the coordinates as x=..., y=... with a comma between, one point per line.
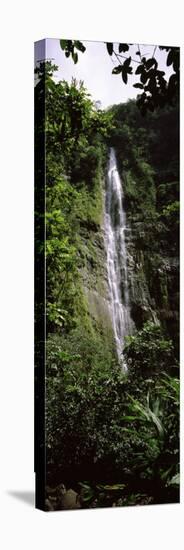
x=155, y=90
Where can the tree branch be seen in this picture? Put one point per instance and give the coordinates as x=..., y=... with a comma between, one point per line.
x=124, y=57
x=154, y=51
x=119, y=60
x=139, y=51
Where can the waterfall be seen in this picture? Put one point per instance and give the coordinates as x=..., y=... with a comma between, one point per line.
x=115, y=228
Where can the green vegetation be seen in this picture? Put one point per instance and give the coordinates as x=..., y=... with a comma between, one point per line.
x=75, y=158
x=113, y=437
x=149, y=350
x=112, y=429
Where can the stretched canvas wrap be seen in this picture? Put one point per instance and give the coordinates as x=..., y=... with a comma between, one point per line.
x=106, y=274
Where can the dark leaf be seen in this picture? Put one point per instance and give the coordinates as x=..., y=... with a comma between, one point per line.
x=162, y=84
x=139, y=69
x=80, y=46
x=151, y=86
x=75, y=57
x=151, y=62
x=172, y=86
x=124, y=76
x=172, y=81
x=144, y=77
x=160, y=73
x=123, y=48
x=138, y=85
x=117, y=70
x=152, y=73
x=109, y=47
x=127, y=63
x=176, y=62
x=63, y=44
x=170, y=57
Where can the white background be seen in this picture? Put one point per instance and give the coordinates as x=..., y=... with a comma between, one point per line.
x=21, y=24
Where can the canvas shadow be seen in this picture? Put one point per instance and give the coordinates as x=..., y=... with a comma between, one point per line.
x=28, y=497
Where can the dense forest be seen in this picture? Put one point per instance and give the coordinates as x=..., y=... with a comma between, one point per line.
x=112, y=437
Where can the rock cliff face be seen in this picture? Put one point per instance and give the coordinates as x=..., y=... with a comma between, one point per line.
x=95, y=285
x=93, y=273
x=154, y=281
x=143, y=307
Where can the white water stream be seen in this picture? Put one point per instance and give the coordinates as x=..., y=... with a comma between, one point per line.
x=115, y=228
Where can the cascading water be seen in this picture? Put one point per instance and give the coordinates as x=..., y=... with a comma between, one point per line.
x=115, y=227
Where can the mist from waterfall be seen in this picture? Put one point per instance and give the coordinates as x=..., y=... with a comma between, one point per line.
x=115, y=229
